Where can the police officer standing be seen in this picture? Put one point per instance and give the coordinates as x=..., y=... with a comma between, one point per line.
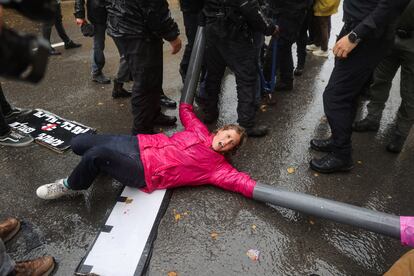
x=364, y=40
x=230, y=28
x=139, y=27
x=289, y=15
x=401, y=55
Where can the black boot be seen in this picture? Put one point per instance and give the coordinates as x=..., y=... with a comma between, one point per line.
x=324, y=145
x=331, y=163
x=298, y=70
x=167, y=102
x=165, y=120
x=396, y=144
x=72, y=45
x=257, y=131
x=119, y=91
x=365, y=125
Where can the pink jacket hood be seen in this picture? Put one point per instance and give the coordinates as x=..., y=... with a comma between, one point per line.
x=186, y=158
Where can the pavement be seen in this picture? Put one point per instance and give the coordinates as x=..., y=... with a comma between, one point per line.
x=215, y=228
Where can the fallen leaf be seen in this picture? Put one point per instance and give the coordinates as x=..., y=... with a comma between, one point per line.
x=121, y=105
x=253, y=254
x=291, y=170
x=172, y=273
x=100, y=103
x=316, y=174
x=214, y=235
x=311, y=222
x=254, y=227
x=129, y=200
x=177, y=217
x=359, y=162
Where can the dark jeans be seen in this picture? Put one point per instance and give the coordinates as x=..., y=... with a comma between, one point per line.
x=123, y=74
x=98, y=57
x=47, y=27
x=303, y=38
x=5, y=108
x=290, y=25
x=115, y=155
x=145, y=61
x=345, y=84
x=241, y=57
x=322, y=27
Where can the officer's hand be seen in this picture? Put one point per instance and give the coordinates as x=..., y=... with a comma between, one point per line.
x=80, y=21
x=343, y=47
x=175, y=45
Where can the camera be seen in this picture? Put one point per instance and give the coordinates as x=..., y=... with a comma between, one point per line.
x=25, y=56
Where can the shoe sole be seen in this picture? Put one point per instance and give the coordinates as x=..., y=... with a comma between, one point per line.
x=319, y=149
x=13, y=233
x=345, y=169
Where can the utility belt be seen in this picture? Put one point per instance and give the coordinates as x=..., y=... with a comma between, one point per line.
x=404, y=34
x=228, y=23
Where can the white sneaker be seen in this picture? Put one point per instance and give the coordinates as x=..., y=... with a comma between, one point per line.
x=53, y=190
x=312, y=47
x=321, y=53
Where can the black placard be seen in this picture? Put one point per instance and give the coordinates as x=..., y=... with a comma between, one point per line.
x=50, y=130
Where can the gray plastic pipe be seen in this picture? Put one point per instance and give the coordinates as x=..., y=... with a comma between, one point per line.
x=401, y=228
x=193, y=72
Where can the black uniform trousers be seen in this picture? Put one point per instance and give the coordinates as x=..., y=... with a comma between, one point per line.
x=240, y=55
x=345, y=84
x=5, y=108
x=145, y=61
x=290, y=24
x=47, y=27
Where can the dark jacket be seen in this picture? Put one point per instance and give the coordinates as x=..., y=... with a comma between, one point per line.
x=141, y=19
x=192, y=6
x=94, y=8
x=235, y=14
x=373, y=17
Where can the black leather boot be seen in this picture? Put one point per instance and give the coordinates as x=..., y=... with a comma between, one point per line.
x=365, y=125
x=257, y=131
x=331, y=163
x=396, y=144
x=165, y=120
x=324, y=145
x=119, y=91
x=167, y=102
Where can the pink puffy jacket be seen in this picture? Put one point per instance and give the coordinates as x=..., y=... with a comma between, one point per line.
x=186, y=158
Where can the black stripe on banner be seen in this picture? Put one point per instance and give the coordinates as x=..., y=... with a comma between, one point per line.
x=107, y=228
x=122, y=199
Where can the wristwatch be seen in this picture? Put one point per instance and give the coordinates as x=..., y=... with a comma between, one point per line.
x=353, y=37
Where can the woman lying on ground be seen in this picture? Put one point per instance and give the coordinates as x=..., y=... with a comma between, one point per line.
x=149, y=162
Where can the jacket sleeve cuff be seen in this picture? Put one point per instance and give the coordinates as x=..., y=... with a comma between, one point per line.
x=362, y=30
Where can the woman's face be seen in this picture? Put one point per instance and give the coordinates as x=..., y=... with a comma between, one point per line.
x=225, y=140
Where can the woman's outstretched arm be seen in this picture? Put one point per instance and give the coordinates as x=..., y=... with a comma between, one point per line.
x=190, y=120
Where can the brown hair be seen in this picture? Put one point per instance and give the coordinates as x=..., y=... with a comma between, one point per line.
x=239, y=130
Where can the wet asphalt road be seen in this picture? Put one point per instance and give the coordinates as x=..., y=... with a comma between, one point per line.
x=216, y=228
